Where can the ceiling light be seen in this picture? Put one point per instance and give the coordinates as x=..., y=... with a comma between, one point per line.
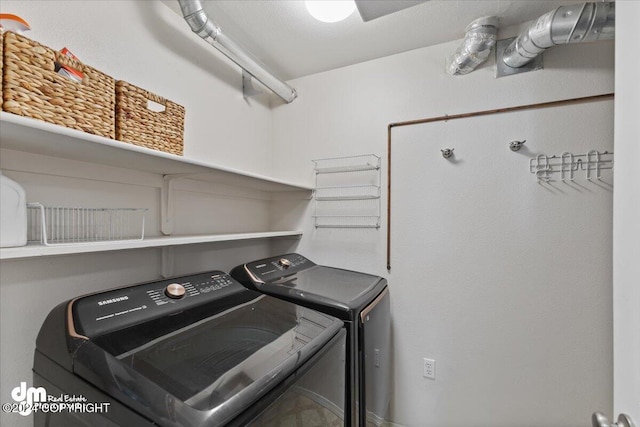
x=330, y=10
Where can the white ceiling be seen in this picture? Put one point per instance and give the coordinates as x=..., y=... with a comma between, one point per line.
x=284, y=37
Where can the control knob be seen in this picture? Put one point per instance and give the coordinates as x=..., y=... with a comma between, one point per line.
x=284, y=263
x=175, y=291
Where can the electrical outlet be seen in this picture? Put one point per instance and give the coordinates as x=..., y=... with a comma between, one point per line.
x=429, y=370
x=376, y=358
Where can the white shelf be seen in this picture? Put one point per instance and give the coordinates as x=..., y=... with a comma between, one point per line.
x=38, y=137
x=350, y=192
x=364, y=162
x=33, y=251
x=35, y=136
x=344, y=169
x=347, y=221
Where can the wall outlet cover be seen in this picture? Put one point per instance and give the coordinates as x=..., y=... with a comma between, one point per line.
x=429, y=368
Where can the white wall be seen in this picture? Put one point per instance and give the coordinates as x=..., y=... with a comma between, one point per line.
x=485, y=275
x=144, y=43
x=341, y=112
x=626, y=210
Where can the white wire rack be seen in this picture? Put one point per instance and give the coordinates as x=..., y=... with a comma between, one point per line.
x=567, y=164
x=350, y=194
x=69, y=225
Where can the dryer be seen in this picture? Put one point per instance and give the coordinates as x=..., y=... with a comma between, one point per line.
x=360, y=300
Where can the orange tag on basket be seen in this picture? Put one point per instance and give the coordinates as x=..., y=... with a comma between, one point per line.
x=13, y=23
x=70, y=72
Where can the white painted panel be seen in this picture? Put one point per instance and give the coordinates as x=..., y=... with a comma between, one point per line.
x=626, y=207
x=511, y=279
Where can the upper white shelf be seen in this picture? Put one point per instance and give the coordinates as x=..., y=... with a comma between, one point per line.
x=364, y=162
x=35, y=136
x=33, y=251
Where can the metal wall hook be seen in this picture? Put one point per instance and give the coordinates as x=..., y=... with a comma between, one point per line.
x=516, y=145
x=447, y=152
x=598, y=419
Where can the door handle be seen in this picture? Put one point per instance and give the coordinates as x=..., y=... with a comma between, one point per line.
x=599, y=420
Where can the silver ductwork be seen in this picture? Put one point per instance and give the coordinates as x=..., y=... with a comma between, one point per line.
x=478, y=41
x=575, y=23
x=200, y=24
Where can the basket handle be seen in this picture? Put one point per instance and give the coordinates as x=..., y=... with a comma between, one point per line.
x=156, y=103
x=61, y=59
x=156, y=107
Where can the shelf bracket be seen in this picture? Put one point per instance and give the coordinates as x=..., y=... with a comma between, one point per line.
x=166, y=201
x=167, y=262
x=248, y=90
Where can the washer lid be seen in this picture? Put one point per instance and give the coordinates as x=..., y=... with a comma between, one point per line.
x=206, y=364
x=342, y=293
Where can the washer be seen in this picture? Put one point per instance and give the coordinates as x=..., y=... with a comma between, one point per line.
x=198, y=350
x=360, y=300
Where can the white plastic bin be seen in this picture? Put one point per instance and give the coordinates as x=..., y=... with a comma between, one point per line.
x=13, y=213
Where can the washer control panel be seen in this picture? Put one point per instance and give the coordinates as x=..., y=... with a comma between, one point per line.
x=118, y=308
x=194, y=286
x=270, y=269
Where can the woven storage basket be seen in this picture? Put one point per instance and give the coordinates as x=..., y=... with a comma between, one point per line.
x=32, y=88
x=138, y=125
x=1, y=61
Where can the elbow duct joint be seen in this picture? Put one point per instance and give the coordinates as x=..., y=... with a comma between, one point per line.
x=478, y=41
x=197, y=19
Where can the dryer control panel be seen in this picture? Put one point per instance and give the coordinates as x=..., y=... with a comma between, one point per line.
x=270, y=269
x=116, y=309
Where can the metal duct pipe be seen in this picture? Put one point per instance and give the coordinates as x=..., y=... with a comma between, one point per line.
x=567, y=24
x=480, y=37
x=200, y=24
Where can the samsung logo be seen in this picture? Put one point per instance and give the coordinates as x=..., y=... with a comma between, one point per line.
x=113, y=300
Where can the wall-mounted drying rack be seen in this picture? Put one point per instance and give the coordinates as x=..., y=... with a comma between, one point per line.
x=567, y=164
x=347, y=193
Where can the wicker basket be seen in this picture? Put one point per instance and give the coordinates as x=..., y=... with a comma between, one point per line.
x=1, y=61
x=32, y=88
x=139, y=125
